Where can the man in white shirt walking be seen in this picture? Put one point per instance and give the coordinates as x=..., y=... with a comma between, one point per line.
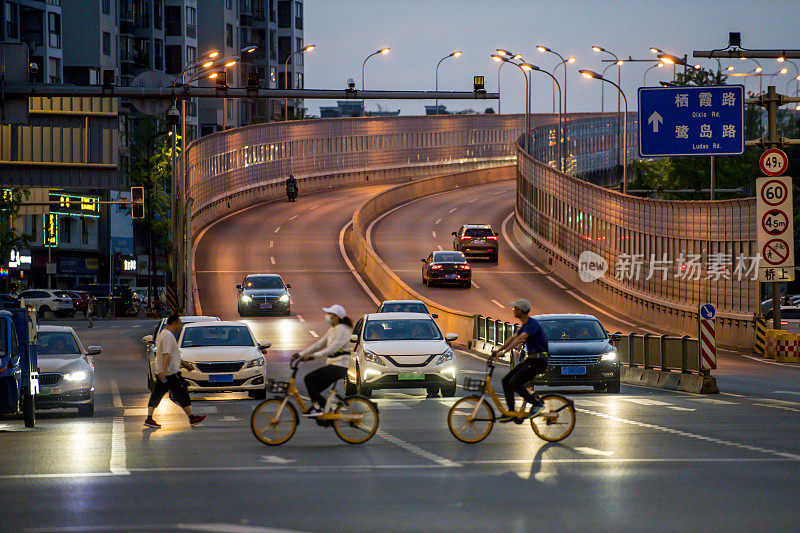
x=169, y=363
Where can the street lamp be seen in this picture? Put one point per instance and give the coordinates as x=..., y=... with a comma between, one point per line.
x=452, y=54
x=600, y=49
x=498, y=57
x=563, y=62
x=644, y=79
x=562, y=155
x=589, y=74
x=383, y=52
x=501, y=53
x=306, y=48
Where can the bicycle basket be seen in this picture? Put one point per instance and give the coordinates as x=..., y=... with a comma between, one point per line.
x=474, y=385
x=277, y=387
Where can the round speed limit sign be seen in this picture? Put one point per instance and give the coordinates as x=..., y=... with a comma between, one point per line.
x=773, y=162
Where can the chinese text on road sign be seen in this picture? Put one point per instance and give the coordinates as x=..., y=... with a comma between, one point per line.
x=774, y=216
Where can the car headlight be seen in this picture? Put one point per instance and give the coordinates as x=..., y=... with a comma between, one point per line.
x=284, y=298
x=246, y=298
x=446, y=356
x=255, y=362
x=373, y=358
x=76, y=376
x=609, y=356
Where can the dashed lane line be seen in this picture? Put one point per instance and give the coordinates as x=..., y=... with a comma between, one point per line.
x=438, y=220
x=118, y=465
x=294, y=217
x=313, y=334
x=434, y=234
x=272, y=259
x=498, y=304
x=416, y=450
x=271, y=244
x=277, y=229
x=440, y=248
x=475, y=285
x=313, y=207
x=453, y=210
x=300, y=318
x=116, y=398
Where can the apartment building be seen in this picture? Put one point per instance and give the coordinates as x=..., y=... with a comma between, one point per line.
x=38, y=24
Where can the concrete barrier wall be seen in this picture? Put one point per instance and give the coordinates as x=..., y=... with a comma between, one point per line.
x=383, y=281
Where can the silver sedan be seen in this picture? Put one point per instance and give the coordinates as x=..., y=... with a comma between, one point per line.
x=66, y=370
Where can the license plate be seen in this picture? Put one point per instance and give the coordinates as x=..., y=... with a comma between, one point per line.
x=479, y=242
x=220, y=378
x=266, y=306
x=410, y=376
x=573, y=370
x=451, y=276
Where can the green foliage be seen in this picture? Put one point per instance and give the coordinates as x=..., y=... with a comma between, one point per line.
x=10, y=202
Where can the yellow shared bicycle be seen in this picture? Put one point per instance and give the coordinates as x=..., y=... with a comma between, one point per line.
x=274, y=421
x=471, y=418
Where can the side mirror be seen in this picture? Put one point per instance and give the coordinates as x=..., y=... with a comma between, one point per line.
x=288, y=285
x=239, y=287
x=94, y=350
x=264, y=346
x=353, y=338
x=615, y=337
x=421, y=260
x=147, y=339
x=450, y=337
x=455, y=233
x=434, y=315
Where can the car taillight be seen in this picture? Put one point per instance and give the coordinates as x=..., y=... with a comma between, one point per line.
x=465, y=238
x=784, y=323
x=491, y=238
x=463, y=267
x=436, y=267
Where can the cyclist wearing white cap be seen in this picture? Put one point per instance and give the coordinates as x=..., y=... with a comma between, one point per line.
x=535, y=363
x=333, y=347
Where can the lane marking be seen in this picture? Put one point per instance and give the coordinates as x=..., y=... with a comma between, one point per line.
x=300, y=318
x=294, y=217
x=713, y=401
x=623, y=460
x=115, y=393
x=784, y=407
x=216, y=527
x=498, y=304
x=557, y=283
x=499, y=193
x=694, y=436
x=475, y=285
x=276, y=459
x=441, y=461
x=349, y=264
x=592, y=451
x=313, y=334
x=786, y=392
x=646, y=401
x=142, y=411
x=118, y=465
x=434, y=234
x=313, y=207
x=676, y=408
x=470, y=201
x=277, y=229
x=271, y=243
x=440, y=248
x=453, y=210
x=229, y=419
x=767, y=361
x=438, y=220
x=272, y=259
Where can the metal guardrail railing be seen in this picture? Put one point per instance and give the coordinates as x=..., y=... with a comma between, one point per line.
x=662, y=352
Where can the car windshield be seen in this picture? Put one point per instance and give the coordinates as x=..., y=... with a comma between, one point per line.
x=57, y=343
x=216, y=336
x=401, y=330
x=478, y=232
x=571, y=329
x=404, y=307
x=448, y=257
x=265, y=282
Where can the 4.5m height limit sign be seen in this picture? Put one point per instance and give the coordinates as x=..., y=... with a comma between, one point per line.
x=775, y=221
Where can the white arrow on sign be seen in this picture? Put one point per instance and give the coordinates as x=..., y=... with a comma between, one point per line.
x=655, y=119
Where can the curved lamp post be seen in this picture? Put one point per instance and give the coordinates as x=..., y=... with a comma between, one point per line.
x=498, y=57
x=562, y=154
x=452, y=54
x=644, y=79
x=306, y=48
x=563, y=62
x=618, y=62
x=590, y=74
x=383, y=52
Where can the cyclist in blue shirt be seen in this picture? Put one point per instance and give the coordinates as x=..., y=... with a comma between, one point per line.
x=534, y=364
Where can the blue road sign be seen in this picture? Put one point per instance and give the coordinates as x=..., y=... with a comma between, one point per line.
x=678, y=121
x=708, y=311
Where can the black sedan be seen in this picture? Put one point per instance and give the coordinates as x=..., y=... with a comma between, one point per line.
x=446, y=267
x=264, y=293
x=581, y=353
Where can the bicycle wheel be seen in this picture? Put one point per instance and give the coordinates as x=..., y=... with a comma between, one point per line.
x=466, y=429
x=269, y=426
x=556, y=420
x=361, y=429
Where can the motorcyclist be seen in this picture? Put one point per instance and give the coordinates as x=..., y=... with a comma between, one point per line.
x=291, y=187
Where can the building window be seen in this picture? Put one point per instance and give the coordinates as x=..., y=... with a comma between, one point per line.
x=272, y=14
x=299, y=43
x=158, y=54
x=284, y=14
x=12, y=20
x=191, y=54
x=228, y=4
x=229, y=35
x=54, y=28
x=65, y=226
x=172, y=21
x=230, y=105
x=299, y=80
x=191, y=22
x=298, y=15
x=85, y=230
x=172, y=59
x=158, y=15
x=273, y=44
x=106, y=7
x=284, y=48
x=54, y=74
x=106, y=43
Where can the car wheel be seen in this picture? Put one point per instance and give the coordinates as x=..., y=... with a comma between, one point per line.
x=449, y=390
x=433, y=391
x=287, y=312
x=259, y=394
x=599, y=388
x=242, y=311
x=43, y=310
x=86, y=410
x=613, y=387
x=468, y=284
x=493, y=257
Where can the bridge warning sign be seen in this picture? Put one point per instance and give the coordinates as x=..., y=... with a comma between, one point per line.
x=774, y=217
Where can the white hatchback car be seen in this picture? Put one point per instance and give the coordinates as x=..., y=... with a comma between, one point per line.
x=225, y=357
x=66, y=370
x=401, y=351
x=45, y=300
x=150, y=343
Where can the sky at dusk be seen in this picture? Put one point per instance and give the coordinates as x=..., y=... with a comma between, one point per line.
x=420, y=32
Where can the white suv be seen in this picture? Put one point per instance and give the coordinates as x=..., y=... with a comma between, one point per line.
x=401, y=351
x=150, y=344
x=44, y=300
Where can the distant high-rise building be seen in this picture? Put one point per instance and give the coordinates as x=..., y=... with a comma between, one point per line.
x=38, y=24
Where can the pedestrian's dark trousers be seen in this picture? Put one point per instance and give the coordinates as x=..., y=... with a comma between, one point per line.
x=519, y=376
x=174, y=384
x=322, y=378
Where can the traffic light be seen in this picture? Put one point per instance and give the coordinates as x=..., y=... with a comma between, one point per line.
x=137, y=202
x=477, y=84
x=222, y=79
